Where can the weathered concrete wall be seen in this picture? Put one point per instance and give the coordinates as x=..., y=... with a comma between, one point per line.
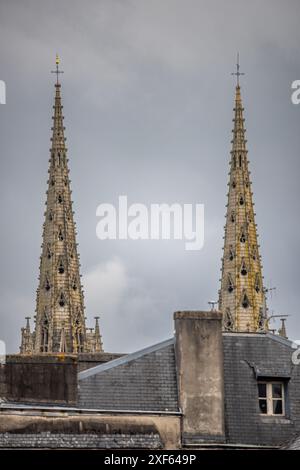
x=3, y=387
x=199, y=353
x=35, y=421
x=46, y=378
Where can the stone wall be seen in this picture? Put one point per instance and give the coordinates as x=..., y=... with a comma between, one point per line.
x=47, y=378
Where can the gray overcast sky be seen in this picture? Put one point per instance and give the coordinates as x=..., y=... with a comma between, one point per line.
x=148, y=101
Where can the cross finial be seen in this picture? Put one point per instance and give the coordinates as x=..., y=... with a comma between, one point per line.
x=238, y=73
x=57, y=71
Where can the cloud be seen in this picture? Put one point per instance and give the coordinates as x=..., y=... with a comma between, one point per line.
x=104, y=286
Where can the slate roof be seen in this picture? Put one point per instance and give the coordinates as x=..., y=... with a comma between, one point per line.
x=48, y=440
x=145, y=380
x=248, y=358
x=293, y=445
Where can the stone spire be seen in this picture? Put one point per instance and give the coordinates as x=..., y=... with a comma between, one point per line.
x=59, y=321
x=242, y=295
x=27, y=338
x=98, y=339
x=282, y=329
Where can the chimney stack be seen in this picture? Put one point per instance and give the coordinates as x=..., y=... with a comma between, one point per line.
x=199, y=357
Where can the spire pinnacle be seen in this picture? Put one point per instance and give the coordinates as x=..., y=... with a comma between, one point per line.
x=238, y=73
x=57, y=71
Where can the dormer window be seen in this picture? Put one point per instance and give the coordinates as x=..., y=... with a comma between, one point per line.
x=271, y=398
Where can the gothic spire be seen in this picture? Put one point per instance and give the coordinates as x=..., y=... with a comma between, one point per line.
x=242, y=295
x=60, y=321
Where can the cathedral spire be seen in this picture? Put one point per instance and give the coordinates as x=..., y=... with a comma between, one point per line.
x=60, y=321
x=242, y=295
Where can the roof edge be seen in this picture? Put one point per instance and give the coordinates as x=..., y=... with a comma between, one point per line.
x=124, y=359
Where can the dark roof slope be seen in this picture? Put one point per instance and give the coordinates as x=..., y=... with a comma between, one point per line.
x=248, y=358
x=293, y=445
x=142, y=381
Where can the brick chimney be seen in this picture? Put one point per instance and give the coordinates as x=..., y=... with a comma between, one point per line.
x=199, y=358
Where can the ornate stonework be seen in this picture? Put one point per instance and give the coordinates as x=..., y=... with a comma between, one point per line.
x=59, y=321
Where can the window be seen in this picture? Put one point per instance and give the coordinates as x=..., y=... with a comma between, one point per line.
x=241, y=200
x=62, y=300
x=271, y=398
x=245, y=301
x=257, y=283
x=231, y=254
x=232, y=217
x=74, y=283
x=60, y=235
x=49, y=254
x=44, y=335
x=61, y=268
x=228, y=320
x=243, y=268
x=47, y=284
x=240, y=160
x=262, y=322
x=233, y=184
x=243, y=237
x=60, y=199
x=230, y=285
